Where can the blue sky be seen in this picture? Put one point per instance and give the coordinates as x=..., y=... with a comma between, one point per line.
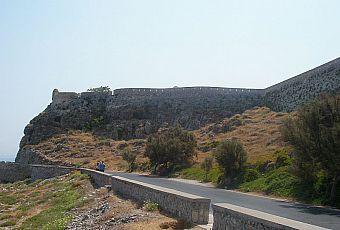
x=76, y=45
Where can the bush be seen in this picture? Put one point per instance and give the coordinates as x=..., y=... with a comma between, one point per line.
x=101, y=89
x=231, y=157
x=197, y=173
x=250, y=175
x=130, y=158
x=315, y=135
x=282, y=158
x=278, y=182
x=206, y=165
x=170, y=149
x=150, y=206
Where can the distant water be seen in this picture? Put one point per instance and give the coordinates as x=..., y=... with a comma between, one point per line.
x=6, y=157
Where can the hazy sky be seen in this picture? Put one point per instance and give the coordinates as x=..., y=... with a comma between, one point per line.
x=75, y=45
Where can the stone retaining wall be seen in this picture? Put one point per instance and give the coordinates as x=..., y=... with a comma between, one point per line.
x=186, y=206
x=11, y=172
x=231, y=217
x=99, y=178
x=48, y=171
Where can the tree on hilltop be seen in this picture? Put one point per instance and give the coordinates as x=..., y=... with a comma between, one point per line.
x=101, y=89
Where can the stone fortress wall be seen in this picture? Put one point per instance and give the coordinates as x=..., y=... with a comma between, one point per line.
x=284, y=96
x=289, y=94
x=62, y=97
x=183, y=91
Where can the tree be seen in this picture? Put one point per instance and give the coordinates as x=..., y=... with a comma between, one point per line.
x=101, y=89
x=170, y=148
x=314, y=132
x=130, y=158
x=231, y=157
x=206, y=165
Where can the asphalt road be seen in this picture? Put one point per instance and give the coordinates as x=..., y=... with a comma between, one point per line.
x=324, y=217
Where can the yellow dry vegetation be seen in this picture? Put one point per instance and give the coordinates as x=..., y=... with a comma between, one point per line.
x=85, y=149
x=258, y=129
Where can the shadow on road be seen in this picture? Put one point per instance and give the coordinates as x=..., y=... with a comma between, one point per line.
x=311, y=209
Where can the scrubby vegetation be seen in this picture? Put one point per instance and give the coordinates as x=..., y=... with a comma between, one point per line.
x=150, y=206
x=206, y=165
x=315, y=135
x=170, y=150
x=41, y=204
x=130, y=158
x=231, y=158
x=101, y=89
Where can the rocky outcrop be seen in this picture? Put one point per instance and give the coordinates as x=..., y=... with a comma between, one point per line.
x=120, y=117
x=28, y=156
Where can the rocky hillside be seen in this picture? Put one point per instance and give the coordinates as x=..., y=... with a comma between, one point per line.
x=258, y=129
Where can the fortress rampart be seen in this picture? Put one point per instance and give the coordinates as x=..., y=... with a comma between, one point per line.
x=183, y=91
x=284, y=96
x=291, y=93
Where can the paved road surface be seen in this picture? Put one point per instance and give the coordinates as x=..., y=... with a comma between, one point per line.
x=328, y=218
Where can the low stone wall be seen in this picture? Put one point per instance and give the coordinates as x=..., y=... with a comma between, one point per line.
x=231, y=217
x=99, y=178
x=48, y=171
x=11, y=172
x=186, y=206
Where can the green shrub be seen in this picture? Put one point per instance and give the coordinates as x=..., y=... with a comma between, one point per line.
x=314, y=132
x=250, y=175
x=150, y=206
x=282, y=158
x=130, y=157
x=206, y=165
x=170, y=149
x=8, y=223
x=8, y=199
x=197, y=173
x=278, y=182
x=231, y=157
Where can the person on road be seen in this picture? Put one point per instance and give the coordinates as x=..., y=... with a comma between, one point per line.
x=101, y=166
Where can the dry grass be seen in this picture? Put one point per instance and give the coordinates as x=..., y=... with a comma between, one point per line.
x=257, y=129
x=160, y=223
x=85, y=149
x=21, y=201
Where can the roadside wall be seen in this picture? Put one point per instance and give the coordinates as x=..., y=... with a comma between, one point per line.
x=227, y=216
x=11, y=172
x=99, y=178
x=48, y=171
x=186, y=206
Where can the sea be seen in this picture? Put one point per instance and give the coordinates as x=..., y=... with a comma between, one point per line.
x=6, y=157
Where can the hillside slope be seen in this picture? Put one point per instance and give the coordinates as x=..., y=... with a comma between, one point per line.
x=258, y=129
